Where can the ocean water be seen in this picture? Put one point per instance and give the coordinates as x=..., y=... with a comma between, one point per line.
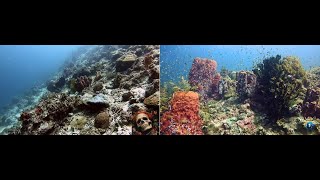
x=23, y=67
x=176, y=60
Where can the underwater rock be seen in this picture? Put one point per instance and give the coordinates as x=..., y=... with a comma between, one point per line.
x=79, y=84
x=311, y=103
x=81, y=72
x=50, y=112
x=204, y=76
x=295, y=110
x=125, y=62
x=247, y=125
x=46, y=127
x=155, y=72
x=135, y=107
x=97, y=101
x=246, y=84
x=78, y=122
x=98, y=76
x=127, y=96
x=152, y=100
x=226, y=88
x=152, y=88
x=55, y=86
x=183, y=116
x=98, y=87
x=102, y=120
x=138, y=93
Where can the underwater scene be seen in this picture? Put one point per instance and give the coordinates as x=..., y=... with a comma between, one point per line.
x=240, y=90
x=79, y=90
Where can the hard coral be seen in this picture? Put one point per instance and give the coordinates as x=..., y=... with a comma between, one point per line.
x=183, y=118
x=51, y=110
x=102, y=120
x=79, y=84
x=203, y=75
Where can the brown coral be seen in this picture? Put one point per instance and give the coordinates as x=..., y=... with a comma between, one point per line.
x=102, y=120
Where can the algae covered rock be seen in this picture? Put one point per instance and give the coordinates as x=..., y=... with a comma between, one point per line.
x=246, y=84
x=78, y=122
x=125, y=62
x=152, y=100
x=311, y=104
x=102, y=120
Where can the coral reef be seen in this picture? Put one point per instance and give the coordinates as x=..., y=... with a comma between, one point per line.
x=227, y=87
x=98, y=87
x=246, y=84
x=51, y=110
x=280, y=84
x=183, y=117
x=311, y=103
x=203, y=75
x=152, y=100
x=102, y=120
x=78, y=122
x=55, y=86
x=125, y=61
x=103, y=79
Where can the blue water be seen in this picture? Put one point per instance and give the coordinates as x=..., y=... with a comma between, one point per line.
x=25, y=66
x=176, y=60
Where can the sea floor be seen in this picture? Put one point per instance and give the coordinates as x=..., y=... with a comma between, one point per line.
x=97, y=92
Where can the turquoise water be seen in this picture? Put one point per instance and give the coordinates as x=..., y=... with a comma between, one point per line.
x=26, y=66
x=176, y=60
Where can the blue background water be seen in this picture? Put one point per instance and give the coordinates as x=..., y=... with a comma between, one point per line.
x=176, y=60
x=24, y=66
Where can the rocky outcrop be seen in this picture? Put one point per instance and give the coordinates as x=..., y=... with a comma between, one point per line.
x=311, y=103
x=125, y=62
x=246, y=84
